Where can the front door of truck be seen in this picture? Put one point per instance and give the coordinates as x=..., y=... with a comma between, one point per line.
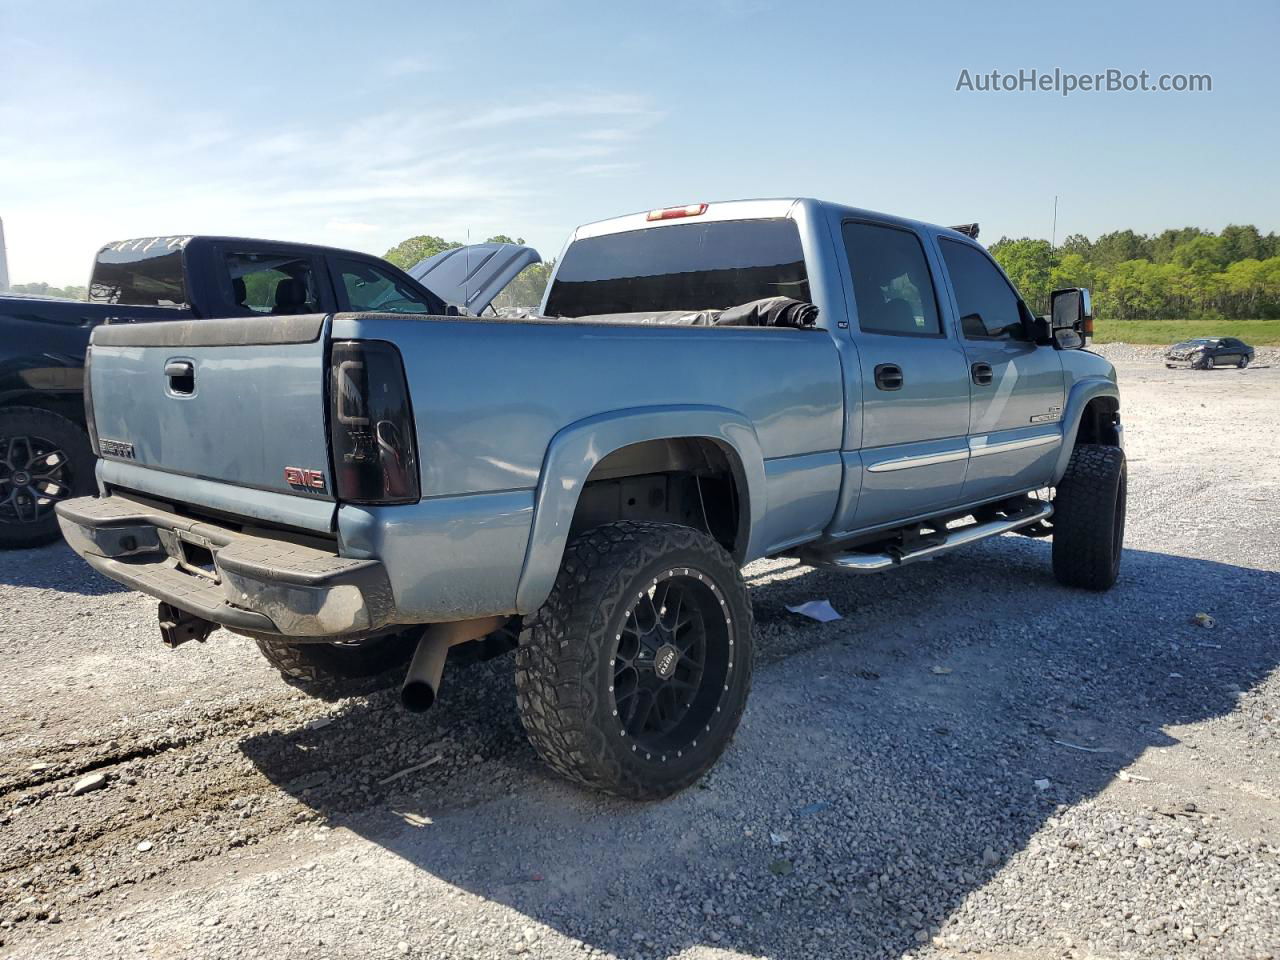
x=1015, y=425
x=914, y=383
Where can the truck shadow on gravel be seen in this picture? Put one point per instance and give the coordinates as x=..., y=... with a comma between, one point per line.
x=886, y=768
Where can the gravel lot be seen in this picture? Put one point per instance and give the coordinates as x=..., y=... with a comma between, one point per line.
x=974, y=761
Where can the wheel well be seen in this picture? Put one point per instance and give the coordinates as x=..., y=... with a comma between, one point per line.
x=692, y=481
x=1100, y=421
x=68, y=405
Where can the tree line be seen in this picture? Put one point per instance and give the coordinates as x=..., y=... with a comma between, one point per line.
x=1187, y=272
x=41, y=289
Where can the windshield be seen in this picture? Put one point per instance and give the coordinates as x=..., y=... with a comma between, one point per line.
x=144, y=273
x=695, y=266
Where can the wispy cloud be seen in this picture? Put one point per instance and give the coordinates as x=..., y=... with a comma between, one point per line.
x=410, y=66
x=604, y=169
x=366, y=182
x=610, y=134
x=559, y=106
x=350, y=227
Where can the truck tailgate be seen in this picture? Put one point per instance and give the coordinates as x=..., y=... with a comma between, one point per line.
x=237, y=403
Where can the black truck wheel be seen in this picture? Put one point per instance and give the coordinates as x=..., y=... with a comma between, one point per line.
x=1088, y=518
x=44, y=458
x=336, y=669
x=633, y=676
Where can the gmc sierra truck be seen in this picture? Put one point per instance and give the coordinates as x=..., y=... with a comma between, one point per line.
x=45, y=455
x=358, y=489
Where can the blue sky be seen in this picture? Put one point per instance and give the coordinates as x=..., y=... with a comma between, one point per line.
x=359, y=124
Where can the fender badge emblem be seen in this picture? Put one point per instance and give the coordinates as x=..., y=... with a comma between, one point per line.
x=116, y=448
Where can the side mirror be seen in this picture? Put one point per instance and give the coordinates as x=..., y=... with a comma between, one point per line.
x=1039, y=330
x=1071, y=316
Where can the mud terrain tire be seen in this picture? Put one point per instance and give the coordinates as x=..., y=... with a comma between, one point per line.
x=336, y=669
x=642, y=617
x=1088, y=518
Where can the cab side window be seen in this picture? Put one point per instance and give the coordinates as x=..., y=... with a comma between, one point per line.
x=989, y=307
x=371, y=288
x=891, y=282
x=268, y=283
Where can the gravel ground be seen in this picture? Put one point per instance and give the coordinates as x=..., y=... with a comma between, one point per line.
x=974, y=761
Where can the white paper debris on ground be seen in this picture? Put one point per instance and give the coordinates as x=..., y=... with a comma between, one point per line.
x=820, y=610
x=1076, y=746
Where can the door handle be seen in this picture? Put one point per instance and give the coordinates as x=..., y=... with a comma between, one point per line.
x=983, y=375
x=888, y=376
x=181, y=375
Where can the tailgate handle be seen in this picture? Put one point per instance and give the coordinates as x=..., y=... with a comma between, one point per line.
x=182, y=376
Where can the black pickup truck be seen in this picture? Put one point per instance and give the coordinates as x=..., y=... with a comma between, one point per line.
x=45, y=455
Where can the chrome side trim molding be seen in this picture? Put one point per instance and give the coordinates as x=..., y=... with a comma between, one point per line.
x=926, y=460
x=987, y=449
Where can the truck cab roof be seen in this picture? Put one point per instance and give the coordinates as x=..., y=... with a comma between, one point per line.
x=756, y=209
x=208, y=274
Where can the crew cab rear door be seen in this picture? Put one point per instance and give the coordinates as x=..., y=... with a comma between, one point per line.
x=913, y=389
x=470, y=277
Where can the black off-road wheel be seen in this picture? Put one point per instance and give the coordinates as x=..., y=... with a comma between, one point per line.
x=1088, y=518
x=331, y=670
x=44, y=459
x=633, y=676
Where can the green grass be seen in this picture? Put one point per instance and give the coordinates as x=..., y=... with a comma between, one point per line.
x=1257, y=333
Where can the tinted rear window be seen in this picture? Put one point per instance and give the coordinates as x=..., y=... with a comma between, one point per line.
x=694, y=266
x=144, y=273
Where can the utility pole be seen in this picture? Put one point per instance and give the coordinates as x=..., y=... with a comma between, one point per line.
x=4, y=261
x=1053, y=240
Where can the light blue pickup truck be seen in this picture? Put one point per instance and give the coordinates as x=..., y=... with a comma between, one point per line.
x=356, y=490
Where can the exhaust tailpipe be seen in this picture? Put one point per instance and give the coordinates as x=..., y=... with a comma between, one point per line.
x=422, y=682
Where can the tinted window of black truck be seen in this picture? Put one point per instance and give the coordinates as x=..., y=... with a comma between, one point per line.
x=147, y=273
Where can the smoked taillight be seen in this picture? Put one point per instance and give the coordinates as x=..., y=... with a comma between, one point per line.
x=88, y=404
x=375, y=454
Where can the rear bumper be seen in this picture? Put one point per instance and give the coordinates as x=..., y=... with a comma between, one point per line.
x=254, y=584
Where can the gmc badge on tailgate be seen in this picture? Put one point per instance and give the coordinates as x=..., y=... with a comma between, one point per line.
x=304, y=478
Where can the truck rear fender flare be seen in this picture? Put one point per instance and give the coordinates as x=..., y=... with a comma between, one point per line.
x=1083, y=392
x=574, y=452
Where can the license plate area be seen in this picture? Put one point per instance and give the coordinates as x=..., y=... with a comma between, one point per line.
x=193, y=553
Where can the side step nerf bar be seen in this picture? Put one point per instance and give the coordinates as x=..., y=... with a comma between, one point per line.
x=946, y=540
